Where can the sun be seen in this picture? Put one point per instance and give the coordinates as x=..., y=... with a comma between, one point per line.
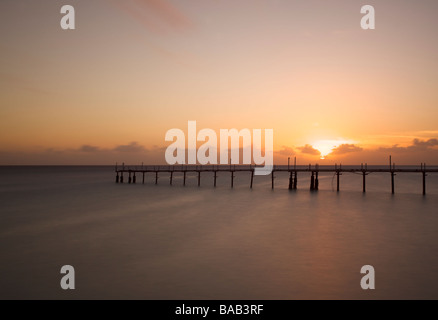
x=325, y=147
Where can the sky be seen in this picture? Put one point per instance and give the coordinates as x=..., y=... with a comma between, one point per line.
x=109, y=90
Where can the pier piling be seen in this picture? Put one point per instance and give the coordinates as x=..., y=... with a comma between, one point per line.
x=364, y=185
x=272, y=174
x=392, y=179
x=312, y=181
x=316, y=181
x=423, y=167
x=296, y=180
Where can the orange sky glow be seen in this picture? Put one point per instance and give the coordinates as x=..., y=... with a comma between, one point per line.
x=108, y=91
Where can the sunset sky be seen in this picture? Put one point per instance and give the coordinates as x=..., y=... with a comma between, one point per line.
x=133, y=69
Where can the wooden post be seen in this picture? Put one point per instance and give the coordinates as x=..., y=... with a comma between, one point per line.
x=199, y=178
x=316, y=181
x=296, y=180
x=424, y=179
x=392, y=183
x=312, y=181
x=171, y=177
x=134, y=179
x=290, y=180
x=338, y=173
x=215, y=177
x=232, y=179
x=117, y=177
x=424, y=183
x=364, y=188
x=156, y=177
x=252, y=177
x=143, y=178
x=272, y=173
x=184, y=180
x=121, y=178
x=129, y=178
x=392, y=179
x=295, y=173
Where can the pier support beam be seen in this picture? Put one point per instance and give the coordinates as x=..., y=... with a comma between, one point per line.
x=391, y=168
x=199, y=178
x=272, y=173
x=129, y=178
x=296, y=180
x=252, y=177
x=338, y=173
x=215, y=178
x=290, y=180
x=143, y=178
x=232, y=179
x=364, y=186
x=134, y=179
x=424, y=182
x=316, y=181
x=184, y=179
x=156, y=177
x=171, y=177
x=312, y=181
x=121, y=178
x=117, y=178
x=392, y=182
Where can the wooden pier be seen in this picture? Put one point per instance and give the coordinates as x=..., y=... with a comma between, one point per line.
x=133, y=171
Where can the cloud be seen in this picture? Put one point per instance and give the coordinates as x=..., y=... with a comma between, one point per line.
x=426, y=143
x=88, y=148
x=345, y=148
x=167, y=12
x=308, y=149
x=53, y=150
x=132, y=147
x=285, y=151
x=417, y=145
x=156, y=15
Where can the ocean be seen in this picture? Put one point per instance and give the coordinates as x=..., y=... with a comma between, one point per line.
x=135, y=241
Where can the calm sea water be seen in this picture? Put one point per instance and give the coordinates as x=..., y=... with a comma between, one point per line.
x=174, y=242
